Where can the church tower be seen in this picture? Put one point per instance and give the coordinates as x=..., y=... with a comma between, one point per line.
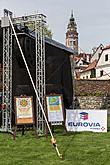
x=72, y=34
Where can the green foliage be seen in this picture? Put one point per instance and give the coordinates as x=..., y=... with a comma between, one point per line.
x=47, y=31
x=84, y=148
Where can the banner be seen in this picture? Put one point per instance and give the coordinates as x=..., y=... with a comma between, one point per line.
x=86, y=120
x=54, y=108
x=24, y=110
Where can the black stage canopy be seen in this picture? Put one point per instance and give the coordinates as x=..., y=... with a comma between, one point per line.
x=58, y=67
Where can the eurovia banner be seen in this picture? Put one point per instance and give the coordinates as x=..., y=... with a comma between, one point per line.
x=86, y=120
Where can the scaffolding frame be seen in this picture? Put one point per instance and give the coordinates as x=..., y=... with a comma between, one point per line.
x=40, y=73
x=7, y=72
x=38, y=22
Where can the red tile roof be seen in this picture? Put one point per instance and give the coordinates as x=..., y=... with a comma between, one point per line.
x=107, y=47
x=91, y=66
x=76, y=58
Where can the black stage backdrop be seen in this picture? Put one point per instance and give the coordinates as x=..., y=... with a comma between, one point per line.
x=58, y=69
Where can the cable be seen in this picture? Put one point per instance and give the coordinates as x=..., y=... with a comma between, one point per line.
x=53, y=139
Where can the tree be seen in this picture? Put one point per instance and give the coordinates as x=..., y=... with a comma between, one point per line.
x=47, y=31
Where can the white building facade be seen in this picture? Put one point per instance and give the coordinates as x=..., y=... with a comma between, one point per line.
x=85, y=75
x=103, y=65
x=97, y=53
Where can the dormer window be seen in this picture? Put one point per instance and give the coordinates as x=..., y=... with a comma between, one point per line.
x=106, y=57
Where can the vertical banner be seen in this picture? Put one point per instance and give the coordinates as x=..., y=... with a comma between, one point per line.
x=54, y=108
x=86, y=120
x=24, y=110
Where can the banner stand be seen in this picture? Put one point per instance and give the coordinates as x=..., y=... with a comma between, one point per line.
x=24, y=113
x=54, y=111
x=23, y=131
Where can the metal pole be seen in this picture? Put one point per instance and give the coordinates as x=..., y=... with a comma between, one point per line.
x=53, y=139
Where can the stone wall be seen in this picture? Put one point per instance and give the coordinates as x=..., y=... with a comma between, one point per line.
x=90, y=102
x=92, y=94
x=93, y=102
x=92, y=87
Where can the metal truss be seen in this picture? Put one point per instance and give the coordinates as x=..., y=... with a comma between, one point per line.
x=38, y=22
x=40, y=72
x=7, y=72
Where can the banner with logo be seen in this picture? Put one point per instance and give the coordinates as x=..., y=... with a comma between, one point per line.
x=86, y=120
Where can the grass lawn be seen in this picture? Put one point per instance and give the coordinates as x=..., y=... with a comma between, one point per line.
x=83, y=148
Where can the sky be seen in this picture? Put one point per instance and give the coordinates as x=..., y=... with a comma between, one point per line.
x=92, y=18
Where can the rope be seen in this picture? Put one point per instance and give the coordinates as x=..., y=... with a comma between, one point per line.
x=53, y=139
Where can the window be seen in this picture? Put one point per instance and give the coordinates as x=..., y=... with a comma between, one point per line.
x=101, y=73
x=106, y=57
x=71, y=43
x=74, y=42
x=93, y=73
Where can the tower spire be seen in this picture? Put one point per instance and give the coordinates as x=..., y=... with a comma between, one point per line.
x=72, y=34
x=71, y=13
